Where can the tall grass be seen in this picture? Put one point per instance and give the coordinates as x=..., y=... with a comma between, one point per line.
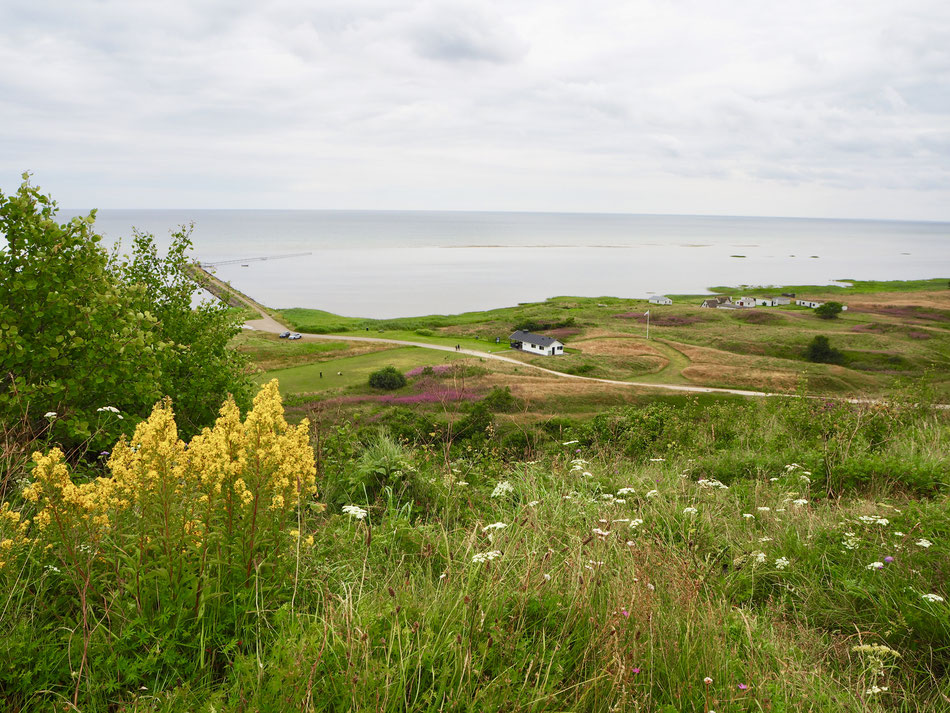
x=660, y=561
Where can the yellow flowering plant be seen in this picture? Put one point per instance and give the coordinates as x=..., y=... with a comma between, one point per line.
x=188, y=534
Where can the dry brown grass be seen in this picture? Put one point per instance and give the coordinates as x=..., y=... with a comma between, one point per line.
x=704, y=355
x=617, y=347
x=932, y=300
x=741, y=377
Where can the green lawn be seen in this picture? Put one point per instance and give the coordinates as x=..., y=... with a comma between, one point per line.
x=355, y=370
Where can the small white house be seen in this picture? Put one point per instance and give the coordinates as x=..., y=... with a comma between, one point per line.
x=535, y=343
x=745, y=302
x=808, y=303
x=779, y=301
x=764, y=301
x=714, y=302
x=660, y=300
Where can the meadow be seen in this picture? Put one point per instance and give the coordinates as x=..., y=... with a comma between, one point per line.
x=893, y=333
x=780, y=555
x=489, y=537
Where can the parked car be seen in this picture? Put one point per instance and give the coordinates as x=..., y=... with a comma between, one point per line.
x=295, y=335
x=284, y=335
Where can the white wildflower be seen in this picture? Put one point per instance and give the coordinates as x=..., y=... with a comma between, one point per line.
x=355, y=511
x=547, y=577
x=936, y=598
x=759, y=557
x=494, y=526
x=874, y=690
x=658, y=460
x=602, y=534
x=923, y=543
x=800, y=502
x=748, y=516
x=110, y=409
x=765, y=539
x=875, y=565
x=651, y=587
x=569, y=443
x=533, y=503
x=635, y=523
x=462, y=482
x=690, y=511
x=763, y=509
x=850, y=541
x=503, y=488
x=897, y=533
x=587, y=474
x=626, y=491
x=653, y=493
x=486, y=556
x=781, y=563
x=50, y=415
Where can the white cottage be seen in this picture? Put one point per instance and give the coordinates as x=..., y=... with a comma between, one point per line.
x=765, y=301
x=535, y=343
x=809, y=303
x=745, y=302
x=660, y=300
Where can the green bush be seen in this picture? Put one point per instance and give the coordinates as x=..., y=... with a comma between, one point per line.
x=820, y=351
x=389, y=378
x=828, y=310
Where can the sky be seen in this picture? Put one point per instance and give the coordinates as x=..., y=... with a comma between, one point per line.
x=738, y=107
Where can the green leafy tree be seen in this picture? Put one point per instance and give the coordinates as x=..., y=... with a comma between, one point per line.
x=828, y=310
x=388, y=378
x=71, y=339
x=82, y=330
x=198, y=369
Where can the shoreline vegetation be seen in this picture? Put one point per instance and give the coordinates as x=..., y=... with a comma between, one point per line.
x=465, y=534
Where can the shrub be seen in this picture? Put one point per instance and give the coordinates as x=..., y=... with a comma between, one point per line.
x=388, y=378
x=501, y=400
x=821, y=351
x=828, y=310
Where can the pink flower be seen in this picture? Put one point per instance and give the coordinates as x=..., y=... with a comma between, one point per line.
x=625, y=612
x=743, y=687
x=634, y=670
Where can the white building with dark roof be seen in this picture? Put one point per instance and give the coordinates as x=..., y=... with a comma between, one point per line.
x=535, y=343
x=660, y=300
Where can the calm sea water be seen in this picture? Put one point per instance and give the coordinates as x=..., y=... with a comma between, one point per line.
x=388, y=264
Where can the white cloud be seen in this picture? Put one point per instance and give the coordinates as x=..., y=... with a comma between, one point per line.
x=810, y=108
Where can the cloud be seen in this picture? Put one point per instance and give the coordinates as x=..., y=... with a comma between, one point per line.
x=482, y=104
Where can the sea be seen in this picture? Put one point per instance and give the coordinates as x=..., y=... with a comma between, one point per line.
x=383, y=264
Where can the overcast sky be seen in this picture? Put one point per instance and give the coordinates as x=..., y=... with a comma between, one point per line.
x=805, y=108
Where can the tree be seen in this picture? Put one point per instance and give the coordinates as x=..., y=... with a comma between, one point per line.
x=197, y=368
x=70, y=340
x=821, y=351
x=828, y=310
x=89, y=341
x=388, y=378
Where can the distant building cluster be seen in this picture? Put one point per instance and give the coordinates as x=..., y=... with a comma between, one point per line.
x=726, y=302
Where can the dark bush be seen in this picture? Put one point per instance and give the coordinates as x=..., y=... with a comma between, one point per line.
x=500, y=400
x=388, y=378
x=821, y=351
x=829, y=310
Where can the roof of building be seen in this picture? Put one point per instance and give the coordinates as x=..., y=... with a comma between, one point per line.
x=538, y=339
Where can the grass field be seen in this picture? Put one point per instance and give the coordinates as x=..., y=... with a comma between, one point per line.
x=893, y=333
x=352, y=371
